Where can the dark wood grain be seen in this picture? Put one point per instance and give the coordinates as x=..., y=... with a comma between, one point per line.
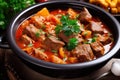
x=17, y=70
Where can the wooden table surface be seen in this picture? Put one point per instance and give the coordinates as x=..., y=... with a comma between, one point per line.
x=6, y=58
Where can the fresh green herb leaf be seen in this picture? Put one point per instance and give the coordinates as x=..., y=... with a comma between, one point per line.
x=73, y=42
x=68, y=25
x=2, y=22
x=37, y=34
x=68, y=33
x=58, y=29
x=91, y=40
x=64, y=19
x=30, y=45
x=12, y=7
x=3, y=8
x=54, y=51
x=41, y=32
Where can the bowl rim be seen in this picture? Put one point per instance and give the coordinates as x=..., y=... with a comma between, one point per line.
x=45, y=64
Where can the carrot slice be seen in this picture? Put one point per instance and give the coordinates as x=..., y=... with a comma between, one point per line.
x=57, y=60
x=43, y=12
x=61, y=52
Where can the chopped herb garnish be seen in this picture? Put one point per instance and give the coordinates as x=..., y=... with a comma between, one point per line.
x=65, y=58
x=73, y=42
x=43, y=27
x=12, y=7
x=41, y=31
x=37, y=34
x=69, y=26
x=91, y=40
x=58, y=29
x=30, y=45
x=54, y=51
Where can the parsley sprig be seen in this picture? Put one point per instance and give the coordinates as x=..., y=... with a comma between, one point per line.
x=12, y=7
x=69, y=26
x=73, y=42
x=91, y=40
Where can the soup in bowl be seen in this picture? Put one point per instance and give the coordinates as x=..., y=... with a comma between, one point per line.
x=69, y=40
x=64, y=36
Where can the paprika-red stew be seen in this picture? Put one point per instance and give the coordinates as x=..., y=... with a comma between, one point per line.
x=64, y=36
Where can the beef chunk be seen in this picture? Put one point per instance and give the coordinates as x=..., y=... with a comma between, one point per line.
x=52, y=43
x=104, y=39
x=40, y=54
x=64, y=37
x=95, y=27
x=97, y=48
x=37, y=21
x=85, y=16
x=36, y=52
x=83, y=52
x=27, y=40
x=34, y=32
